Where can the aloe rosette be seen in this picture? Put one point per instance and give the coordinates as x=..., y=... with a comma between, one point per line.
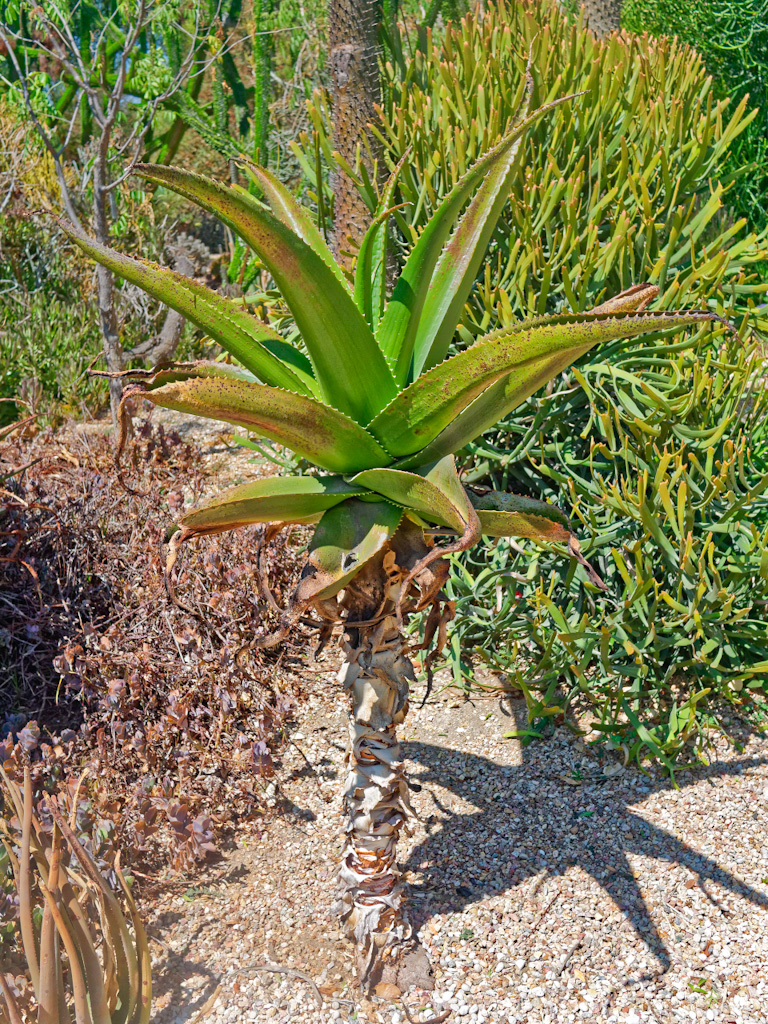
x=373, y=398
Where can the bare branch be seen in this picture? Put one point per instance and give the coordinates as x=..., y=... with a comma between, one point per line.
x=67, y=40
x=139, y=135
x=70, y=129
x=42, y=133
x=79, y=74
x=105, y=26
x=116, y=95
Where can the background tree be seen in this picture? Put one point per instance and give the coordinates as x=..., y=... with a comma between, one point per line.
x=81, y=70
x=354, y=59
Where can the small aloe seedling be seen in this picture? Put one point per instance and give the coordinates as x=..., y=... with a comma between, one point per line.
x=373, y=399
x=84, y=959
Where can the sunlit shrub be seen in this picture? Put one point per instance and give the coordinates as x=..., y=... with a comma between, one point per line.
x=732, y=38
x=657, y=450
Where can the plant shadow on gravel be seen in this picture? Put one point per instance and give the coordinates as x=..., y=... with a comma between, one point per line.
x=541, y=838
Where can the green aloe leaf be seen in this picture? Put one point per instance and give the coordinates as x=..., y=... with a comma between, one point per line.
x=436, y=493
x=371, y=264
x=514, y=515
x=351, y=371
x=272, y=499
x=347, y=537
x=401, y=321
x=523, y=357
x=112, y=919
x=260, y=349
x=143, y=1010
x=314, y=431
x=460, y=261
x=285, y=207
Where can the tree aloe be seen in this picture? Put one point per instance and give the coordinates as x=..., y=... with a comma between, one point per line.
x=375, y=401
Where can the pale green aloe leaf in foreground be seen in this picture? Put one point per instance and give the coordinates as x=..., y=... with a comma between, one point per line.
x=314, y=431
x=286, y=208
x=348, y=536
x=271, y=499
x=436, y=493
x=260, y=349
x=371, y=264
x=94, y=965
x=350, y=369
x=143, y=1008
x=515, y=515
x=487, y=177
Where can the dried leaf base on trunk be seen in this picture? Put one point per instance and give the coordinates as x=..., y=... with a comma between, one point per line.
x=377, y=674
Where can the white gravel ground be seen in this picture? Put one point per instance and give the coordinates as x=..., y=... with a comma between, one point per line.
x=548, y=886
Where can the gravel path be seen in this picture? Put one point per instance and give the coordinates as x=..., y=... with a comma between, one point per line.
x=549, y=885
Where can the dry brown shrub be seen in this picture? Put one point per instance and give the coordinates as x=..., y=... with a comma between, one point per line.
x=176, y=718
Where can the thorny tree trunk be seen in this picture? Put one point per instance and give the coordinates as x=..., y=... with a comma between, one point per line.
x=377, y=675
x=353, y=29
x=603, y=16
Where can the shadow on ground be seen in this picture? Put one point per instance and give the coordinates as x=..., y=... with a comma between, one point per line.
x=538, y=827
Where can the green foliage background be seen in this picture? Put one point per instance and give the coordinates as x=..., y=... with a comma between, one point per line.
x=732, y=37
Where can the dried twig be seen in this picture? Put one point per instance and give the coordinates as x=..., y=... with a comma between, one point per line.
x=267, y=969
x=544, y=913
x=290, y=971
x=207, y=1005
x=432, y=1020
x=567, y=955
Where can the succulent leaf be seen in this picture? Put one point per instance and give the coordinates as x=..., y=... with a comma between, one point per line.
x=350, y=369
x=371, y=263
x=456, y=270
x=402, y=317
x=436, y=493
x=522, y=358
x=285, y=207
x=260, y=349
x=347, y=536
x=314, y=431
x=271, y=499
x=514, y=515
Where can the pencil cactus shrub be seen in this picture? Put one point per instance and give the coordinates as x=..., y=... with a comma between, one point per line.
x=661, y=454
x=633, y=182
x=86, y=960
x=732, y=39
x=629, y=183
x=372, y=399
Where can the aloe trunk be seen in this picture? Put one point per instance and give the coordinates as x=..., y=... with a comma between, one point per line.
x=377, y=673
